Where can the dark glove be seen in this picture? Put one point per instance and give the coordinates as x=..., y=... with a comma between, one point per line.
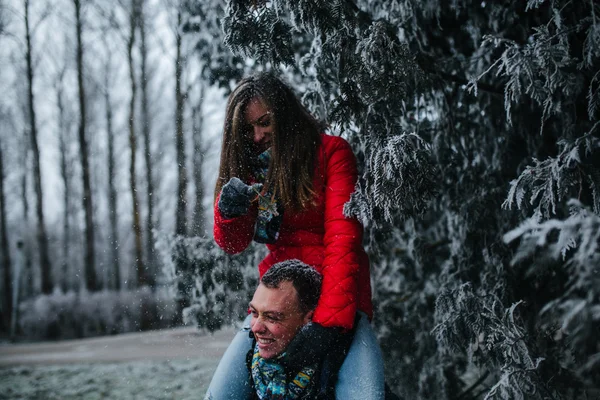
x=236, y=197
x=310, y=346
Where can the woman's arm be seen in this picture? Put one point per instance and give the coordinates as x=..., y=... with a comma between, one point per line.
x=235, y=234
x=342, y=238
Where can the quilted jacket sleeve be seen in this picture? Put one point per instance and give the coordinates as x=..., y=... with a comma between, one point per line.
x=343, y=236
x=235, y=234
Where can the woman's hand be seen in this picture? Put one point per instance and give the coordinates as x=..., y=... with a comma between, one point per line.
x=236, y=197
x=310, y=346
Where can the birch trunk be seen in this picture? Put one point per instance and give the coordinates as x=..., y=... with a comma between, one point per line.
x=41, y=236
x=89, y=259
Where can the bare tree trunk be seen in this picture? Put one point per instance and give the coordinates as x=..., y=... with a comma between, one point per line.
x=65, y=173
x=90, y=259
x=28, y=289
x=181, y=217
x=112, y=191
x=198, y=159
x=41, y=236
x=150, y=257
x=137, y=230
x=7, y=305
x=3, y=16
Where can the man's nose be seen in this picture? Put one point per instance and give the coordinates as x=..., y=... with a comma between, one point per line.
x=257, y=325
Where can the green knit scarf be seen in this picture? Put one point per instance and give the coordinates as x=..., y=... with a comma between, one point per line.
x=270, y=380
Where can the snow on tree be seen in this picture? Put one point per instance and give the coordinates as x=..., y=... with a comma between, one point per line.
x=471, y=121
x=212, y=288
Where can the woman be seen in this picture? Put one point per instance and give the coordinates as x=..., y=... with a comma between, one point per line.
x=283, y=182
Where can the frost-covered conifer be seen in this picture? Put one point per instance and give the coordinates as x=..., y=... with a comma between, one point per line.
x=468, y=119
x=211, y=287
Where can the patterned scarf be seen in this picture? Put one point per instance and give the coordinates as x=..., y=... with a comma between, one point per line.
x=270, y=213
x=270, y=380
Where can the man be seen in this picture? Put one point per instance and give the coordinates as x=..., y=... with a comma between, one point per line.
x=282, y=305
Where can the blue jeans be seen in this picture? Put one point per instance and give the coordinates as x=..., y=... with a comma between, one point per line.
x=231, y=380
x=361, y=375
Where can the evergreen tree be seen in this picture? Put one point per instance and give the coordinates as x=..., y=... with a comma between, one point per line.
x=474, y=124
x=202, y=24
x=211, y=288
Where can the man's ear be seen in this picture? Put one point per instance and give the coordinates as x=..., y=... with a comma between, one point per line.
x=308, y=317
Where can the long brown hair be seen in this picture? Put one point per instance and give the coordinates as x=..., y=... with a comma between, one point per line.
x=294, y=142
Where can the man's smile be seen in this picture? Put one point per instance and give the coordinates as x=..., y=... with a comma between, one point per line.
x=264, y=341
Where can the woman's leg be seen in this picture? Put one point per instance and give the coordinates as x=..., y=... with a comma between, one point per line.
x=231, y=380
x=361, y=375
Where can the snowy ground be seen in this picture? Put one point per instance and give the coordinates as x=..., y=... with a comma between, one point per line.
x=169, y=364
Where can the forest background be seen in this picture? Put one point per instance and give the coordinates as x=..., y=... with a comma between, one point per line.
x=476, y=129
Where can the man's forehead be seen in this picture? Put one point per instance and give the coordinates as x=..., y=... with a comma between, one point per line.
x=280, y=299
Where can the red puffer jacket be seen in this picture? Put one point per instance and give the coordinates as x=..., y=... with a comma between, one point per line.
x=320, y=236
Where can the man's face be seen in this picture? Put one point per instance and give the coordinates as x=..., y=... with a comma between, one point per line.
x=276, y=318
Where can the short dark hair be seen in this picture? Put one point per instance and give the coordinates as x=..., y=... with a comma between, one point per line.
x=306, y=281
